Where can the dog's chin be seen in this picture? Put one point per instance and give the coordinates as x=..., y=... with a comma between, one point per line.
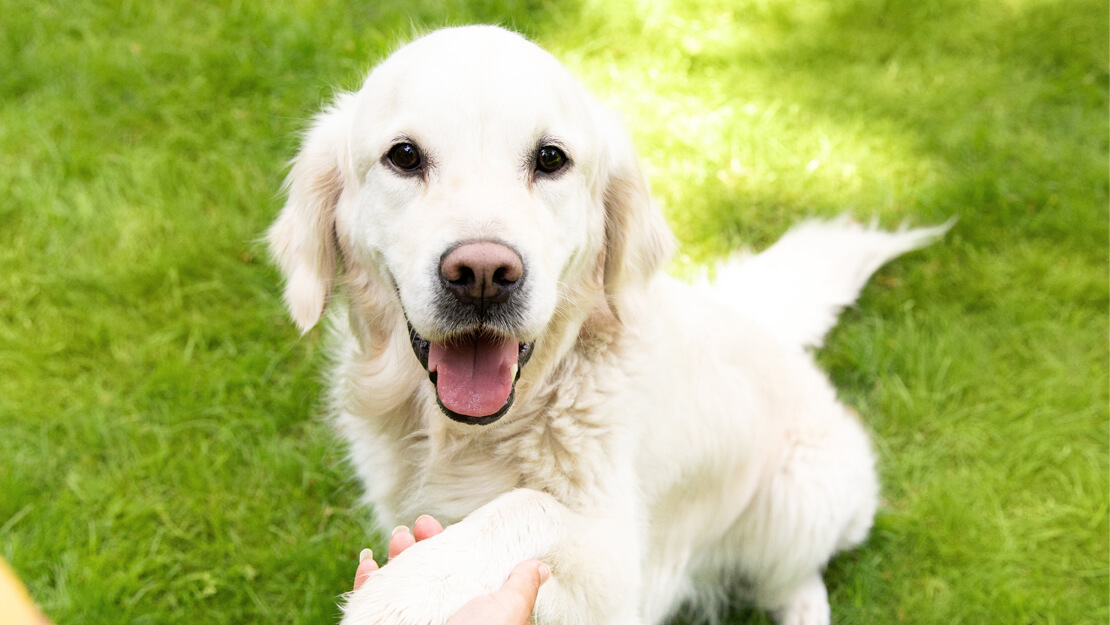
x=474, y=373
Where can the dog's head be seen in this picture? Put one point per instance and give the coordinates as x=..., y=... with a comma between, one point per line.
x=475, y=180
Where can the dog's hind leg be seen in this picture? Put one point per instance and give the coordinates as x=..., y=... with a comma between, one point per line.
x=819, y=498
x=809, y=605
x=799, y=285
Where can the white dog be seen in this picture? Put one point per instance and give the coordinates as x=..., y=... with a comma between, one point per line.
x=511, y=359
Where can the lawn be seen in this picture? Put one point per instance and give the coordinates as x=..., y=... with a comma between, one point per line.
x=162, y=456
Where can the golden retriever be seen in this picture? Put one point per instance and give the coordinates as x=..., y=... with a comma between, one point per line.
x=510, y=358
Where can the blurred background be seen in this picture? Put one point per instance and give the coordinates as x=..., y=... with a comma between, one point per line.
x=163, y=457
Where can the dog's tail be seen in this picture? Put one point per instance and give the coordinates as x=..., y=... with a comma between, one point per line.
x=799, y=285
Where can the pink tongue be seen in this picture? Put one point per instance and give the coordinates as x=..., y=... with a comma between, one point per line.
x=473, y=374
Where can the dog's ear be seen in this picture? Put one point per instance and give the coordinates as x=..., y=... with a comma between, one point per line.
x=637, y=238
x=303, y=240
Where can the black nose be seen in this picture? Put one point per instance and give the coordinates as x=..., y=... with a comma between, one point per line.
x=481, y=273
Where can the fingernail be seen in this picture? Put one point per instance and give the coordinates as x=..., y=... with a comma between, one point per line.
x=398, y=529
x=544, y=573
x=365, y=554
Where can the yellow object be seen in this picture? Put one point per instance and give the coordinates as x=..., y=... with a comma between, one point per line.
x=16, y=607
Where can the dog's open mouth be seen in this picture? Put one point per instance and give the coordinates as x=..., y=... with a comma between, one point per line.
x=474, y=373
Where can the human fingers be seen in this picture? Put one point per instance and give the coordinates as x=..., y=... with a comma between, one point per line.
x=425, y=527
x=366, y=566
x=402, y=539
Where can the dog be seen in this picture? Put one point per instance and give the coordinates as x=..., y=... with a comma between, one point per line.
x=510, y=357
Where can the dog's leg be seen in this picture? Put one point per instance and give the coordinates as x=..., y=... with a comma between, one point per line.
x=594, y=563
x=820, y=498
x=809, y=605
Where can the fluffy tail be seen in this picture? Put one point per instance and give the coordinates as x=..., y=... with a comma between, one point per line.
x=799, y=285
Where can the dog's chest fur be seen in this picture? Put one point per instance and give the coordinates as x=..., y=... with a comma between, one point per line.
x=561, y=439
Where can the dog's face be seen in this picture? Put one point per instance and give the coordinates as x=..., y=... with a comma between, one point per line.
x=476, y=180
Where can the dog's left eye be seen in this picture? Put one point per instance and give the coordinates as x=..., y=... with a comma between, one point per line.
x=550, y=159
x=405, y=156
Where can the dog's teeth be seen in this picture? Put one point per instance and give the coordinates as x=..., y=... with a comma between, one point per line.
x=513, y=370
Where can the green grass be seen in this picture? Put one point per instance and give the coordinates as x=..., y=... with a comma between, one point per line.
x=160, y=460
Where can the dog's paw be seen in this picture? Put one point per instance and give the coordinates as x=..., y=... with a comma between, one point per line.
x=390, y=599
x=809, y=605
x=395, y=596
x=425, y=585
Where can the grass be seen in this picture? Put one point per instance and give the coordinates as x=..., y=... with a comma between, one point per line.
x=160, y=461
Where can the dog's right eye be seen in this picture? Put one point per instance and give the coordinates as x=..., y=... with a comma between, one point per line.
x=404, y=156
x=550, y=159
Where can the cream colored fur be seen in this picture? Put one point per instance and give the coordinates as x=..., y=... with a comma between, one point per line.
x=668, y=442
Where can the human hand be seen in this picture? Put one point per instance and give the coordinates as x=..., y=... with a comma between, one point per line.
x=512, y=604
x=16, y=605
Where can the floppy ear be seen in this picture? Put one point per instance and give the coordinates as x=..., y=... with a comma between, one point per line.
x=637, y=238
x=302, y=240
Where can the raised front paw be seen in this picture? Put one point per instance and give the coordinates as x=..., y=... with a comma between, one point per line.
x=425, y=585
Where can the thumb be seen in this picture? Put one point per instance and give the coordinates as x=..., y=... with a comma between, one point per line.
x=523, y=585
